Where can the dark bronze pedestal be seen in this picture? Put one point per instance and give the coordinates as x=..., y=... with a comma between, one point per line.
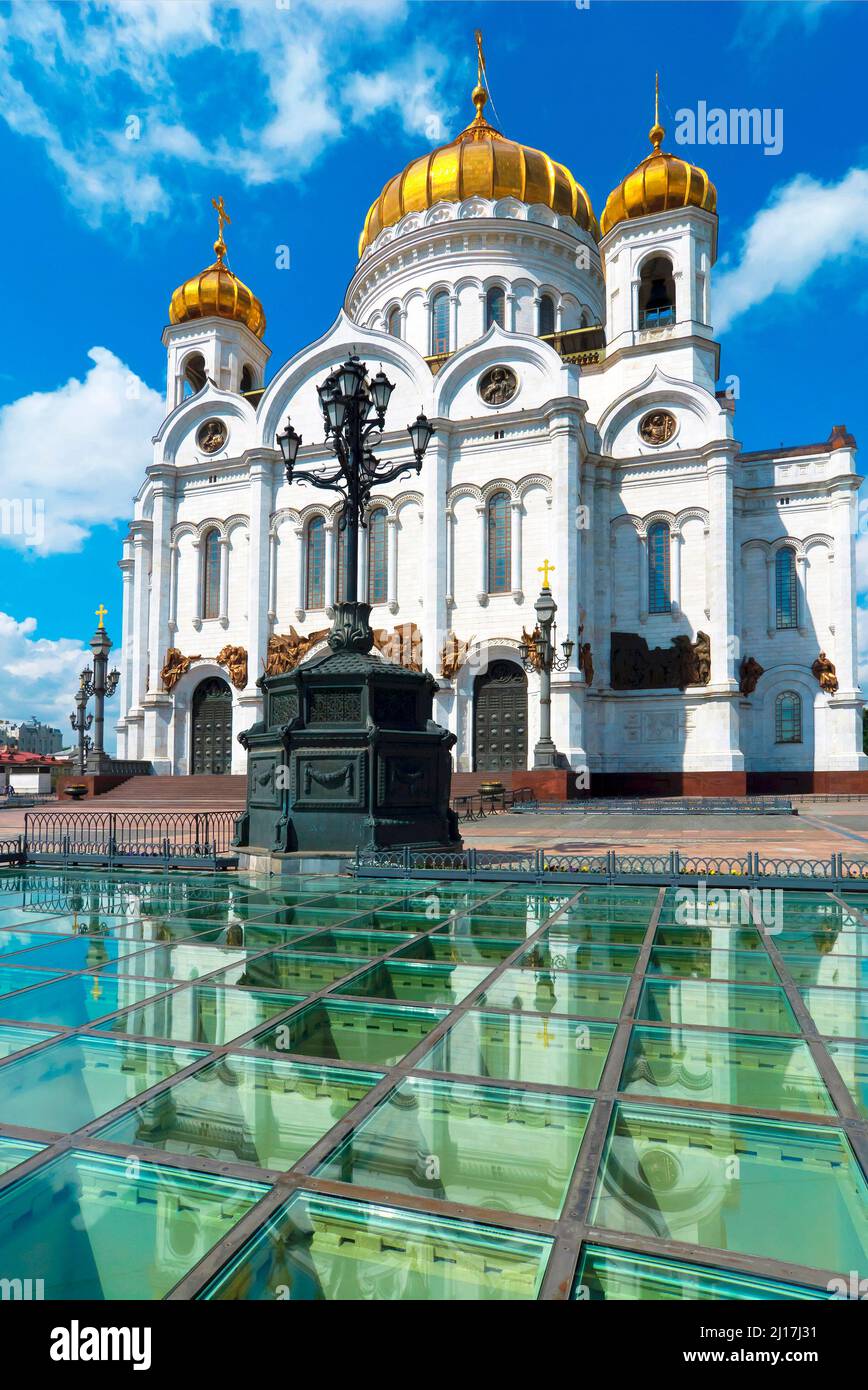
x=348, y=753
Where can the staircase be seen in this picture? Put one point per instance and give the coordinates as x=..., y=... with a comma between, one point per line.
x=205, y=793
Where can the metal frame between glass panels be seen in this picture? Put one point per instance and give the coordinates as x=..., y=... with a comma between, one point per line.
x=574, y=1230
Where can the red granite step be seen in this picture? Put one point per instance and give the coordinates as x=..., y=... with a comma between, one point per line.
x=179, y=793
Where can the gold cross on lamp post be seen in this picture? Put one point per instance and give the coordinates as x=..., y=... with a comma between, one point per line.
x=101, y=613
x=544, y=569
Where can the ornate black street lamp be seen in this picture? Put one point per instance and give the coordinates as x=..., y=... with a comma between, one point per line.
x=103, y=686
x=81, y=721
x=354, y=407
x=539, y=652
x=348, y=753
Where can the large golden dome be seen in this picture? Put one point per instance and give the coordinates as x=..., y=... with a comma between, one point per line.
x=479, y=162
x=216, y=290
x=661, y=182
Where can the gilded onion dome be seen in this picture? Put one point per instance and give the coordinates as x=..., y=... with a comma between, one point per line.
x=217, y=290
x=661, y=182
x=479, y=162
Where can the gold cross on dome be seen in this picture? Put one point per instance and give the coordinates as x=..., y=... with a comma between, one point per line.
x=222, y=215
x=544, y=569
x=101, y=613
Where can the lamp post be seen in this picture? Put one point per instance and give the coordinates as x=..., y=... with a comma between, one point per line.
x=538, y=652
x=81, y=721
x=354, y=407
x=103, y=686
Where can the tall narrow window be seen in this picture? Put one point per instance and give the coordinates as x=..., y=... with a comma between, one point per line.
x=393, y=322
x=499, y=544
x=211, y=574
x=314, y=596
x=546, y=315
x=495, y=307
x=788, y=717
x=786, y=588
x=657, y=294
x=377, y=557
x=440, y=323
x=659, y=600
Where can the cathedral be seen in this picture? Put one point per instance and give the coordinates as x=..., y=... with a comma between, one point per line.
x=569, y=366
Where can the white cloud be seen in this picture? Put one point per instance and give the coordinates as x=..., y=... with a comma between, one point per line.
x=298, y=78
x=38, y=675
x=71, y=459
x=807, y=224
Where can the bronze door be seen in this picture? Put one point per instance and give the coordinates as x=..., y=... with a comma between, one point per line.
x=500, y=718
x=212, y=727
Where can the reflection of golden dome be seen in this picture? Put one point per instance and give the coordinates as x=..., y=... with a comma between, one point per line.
x=216, y=290
x=660, y=183
x=479, y=162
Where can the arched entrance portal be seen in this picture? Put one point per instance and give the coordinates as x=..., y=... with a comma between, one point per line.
x=212, y=727
x=500, y=718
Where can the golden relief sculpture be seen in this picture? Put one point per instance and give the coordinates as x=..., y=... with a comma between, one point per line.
x=287, y=649
x=824, y=670
x=453, y=655
x=658, y=427
x=175, y=666
x=235, y=661
x=403, y=645
x=531, y=640
x=749, y=675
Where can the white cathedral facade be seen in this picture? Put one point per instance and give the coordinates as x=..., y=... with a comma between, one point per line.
x=570, y=370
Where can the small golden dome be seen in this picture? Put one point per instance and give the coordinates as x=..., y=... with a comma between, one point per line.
x=661, y=182
x=479, y=162
x=216, y=290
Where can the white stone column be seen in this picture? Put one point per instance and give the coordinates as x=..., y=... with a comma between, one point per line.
x=173, y=590
x=260, y=580
x=453, y=322
x=124, y=694
x=392, y=524
x=568, y=690
x=771, y=595
x=675, y=542
x=331, y=556
x=722, y=547
x=198, y=554
x=510, y=314
x=643, y=576
x=362, y=565
x=450, y=561
x=225, y=551
x=801, y=594
x=843, y=596
x=482, y=595
x=301, y=572
x=162, y=518
x=516, y=508
x=437, y=549
x=272, y=577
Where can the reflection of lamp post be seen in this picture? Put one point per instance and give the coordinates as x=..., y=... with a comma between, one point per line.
x=105, y=684
x=80, y=721
x=354, y=409
x=539, y=653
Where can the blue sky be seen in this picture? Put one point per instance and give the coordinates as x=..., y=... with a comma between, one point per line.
x=298, y=113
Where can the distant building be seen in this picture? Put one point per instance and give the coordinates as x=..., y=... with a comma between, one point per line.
x=30, y=736
x=24, y=772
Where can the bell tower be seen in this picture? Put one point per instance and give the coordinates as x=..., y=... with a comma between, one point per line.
x=215, y=330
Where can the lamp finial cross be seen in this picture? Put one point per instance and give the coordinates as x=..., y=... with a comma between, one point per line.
x=544, y=570
x=101, y=613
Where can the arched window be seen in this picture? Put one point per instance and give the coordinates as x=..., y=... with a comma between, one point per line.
x=377, y=557
x=247, y=378
x=495, y=307
x=314, y=596
x=194, y=374
x=656, y=294
x=393, y=322
x=659, y=600
x=211, y=574
x=440, y=323
x=788, y=717
x=546, y=315
x=499, y=544
x=786, y=588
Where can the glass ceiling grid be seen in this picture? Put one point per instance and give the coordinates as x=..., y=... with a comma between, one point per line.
x=837, y=1113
